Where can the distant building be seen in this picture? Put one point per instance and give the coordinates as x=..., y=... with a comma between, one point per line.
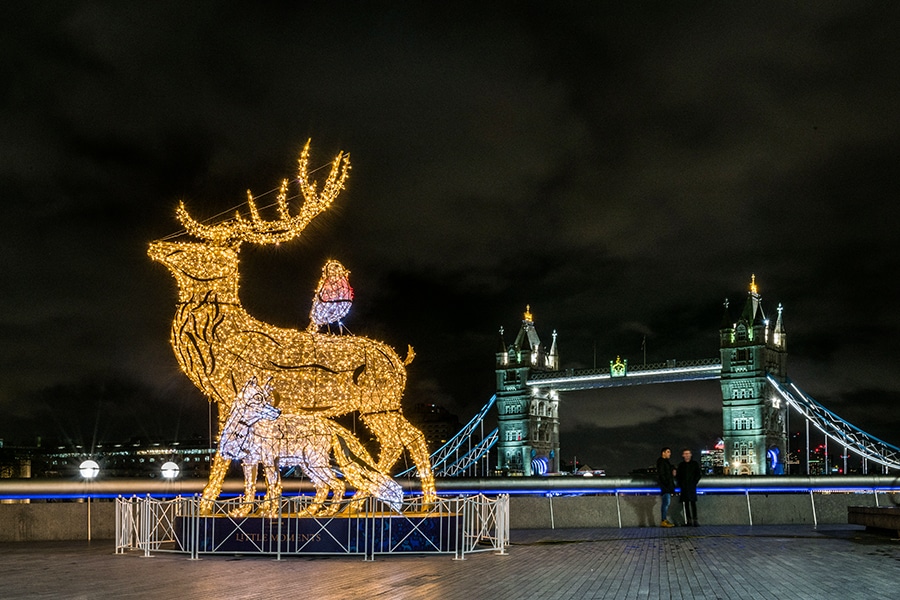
x=14, y=465
x=712, y=461
x=588, y=471
x=127, y=459
x=435, y=422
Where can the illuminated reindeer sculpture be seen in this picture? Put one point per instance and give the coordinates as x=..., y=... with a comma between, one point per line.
x=220, y=346
x=257, y=433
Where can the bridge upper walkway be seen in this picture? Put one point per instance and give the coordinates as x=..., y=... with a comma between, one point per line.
x=668, y=372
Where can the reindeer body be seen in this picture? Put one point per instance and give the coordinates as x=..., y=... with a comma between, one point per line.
x=359, y=374
x=220, y=346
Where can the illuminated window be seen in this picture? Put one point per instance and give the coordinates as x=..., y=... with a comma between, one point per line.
x=743, y=423
x=741, y=393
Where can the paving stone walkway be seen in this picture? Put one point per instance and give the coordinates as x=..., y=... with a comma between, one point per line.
x=705, y=562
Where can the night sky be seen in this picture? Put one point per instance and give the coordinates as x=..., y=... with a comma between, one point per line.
x=622, y=170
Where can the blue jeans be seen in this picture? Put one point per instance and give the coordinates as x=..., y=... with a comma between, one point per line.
x=664, y=509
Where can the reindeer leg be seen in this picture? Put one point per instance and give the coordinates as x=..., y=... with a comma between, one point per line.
x=389, y=438
x=395, y=434
x=336, y=486
x=213, y=488
x=353, y=472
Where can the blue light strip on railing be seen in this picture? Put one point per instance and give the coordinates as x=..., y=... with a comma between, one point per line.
x=653, y=492
x=562, y=491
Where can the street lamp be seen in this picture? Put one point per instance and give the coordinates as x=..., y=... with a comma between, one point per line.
x=89, y=470
x=170, y=470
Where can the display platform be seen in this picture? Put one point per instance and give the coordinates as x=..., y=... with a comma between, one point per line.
x=459, y=526
x=339, y=534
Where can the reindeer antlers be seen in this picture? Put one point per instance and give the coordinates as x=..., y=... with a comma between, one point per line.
x=259, y=231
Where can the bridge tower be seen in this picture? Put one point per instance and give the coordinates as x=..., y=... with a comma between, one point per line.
x=528, y=418
x=753, y=415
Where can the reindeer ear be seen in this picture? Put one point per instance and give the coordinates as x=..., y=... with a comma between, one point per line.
x=276, y=398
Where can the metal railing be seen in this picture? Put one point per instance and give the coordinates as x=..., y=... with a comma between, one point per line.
x=459, y=526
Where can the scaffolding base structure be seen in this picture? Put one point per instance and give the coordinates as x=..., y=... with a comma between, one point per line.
x=455, y=526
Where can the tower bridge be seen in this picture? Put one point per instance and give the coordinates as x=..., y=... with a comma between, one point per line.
x=757, y=397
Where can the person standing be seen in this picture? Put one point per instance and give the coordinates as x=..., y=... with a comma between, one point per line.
x=688, y=476
x=665, y=474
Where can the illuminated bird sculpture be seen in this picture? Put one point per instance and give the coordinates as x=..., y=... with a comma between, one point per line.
x=220, y=346
x=333, y=298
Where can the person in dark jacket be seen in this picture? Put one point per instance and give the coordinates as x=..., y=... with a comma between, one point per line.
x=665, y=474
x=688, y=476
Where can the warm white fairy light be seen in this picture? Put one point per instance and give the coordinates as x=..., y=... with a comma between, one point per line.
x=257, y=433
x=220, y=346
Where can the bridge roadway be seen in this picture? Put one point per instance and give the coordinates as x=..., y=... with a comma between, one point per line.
x=794, y=561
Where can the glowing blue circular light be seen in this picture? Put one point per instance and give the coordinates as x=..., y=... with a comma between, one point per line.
x=539, y=466
x=774, y=457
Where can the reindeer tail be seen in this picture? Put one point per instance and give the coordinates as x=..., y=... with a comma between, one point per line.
x=410, y=355
x=363, y=477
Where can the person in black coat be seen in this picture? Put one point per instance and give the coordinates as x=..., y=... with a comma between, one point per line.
x=665, y=474
x=688, y=476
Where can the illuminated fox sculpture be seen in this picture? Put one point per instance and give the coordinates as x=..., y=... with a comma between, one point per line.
x=256, y=433
x=220, y=346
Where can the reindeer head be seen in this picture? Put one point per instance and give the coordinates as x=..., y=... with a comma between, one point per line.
x=216, y=256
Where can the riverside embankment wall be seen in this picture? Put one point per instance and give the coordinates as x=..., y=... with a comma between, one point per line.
x=32, y=510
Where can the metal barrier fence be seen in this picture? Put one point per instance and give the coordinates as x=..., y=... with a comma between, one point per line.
x=636, y=507
x=459, y=526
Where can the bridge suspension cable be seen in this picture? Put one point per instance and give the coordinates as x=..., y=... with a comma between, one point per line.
x=447, y=458
x=848, y=435
x=471, y=457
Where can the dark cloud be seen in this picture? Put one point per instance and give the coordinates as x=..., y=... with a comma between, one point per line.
x=621, y=169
